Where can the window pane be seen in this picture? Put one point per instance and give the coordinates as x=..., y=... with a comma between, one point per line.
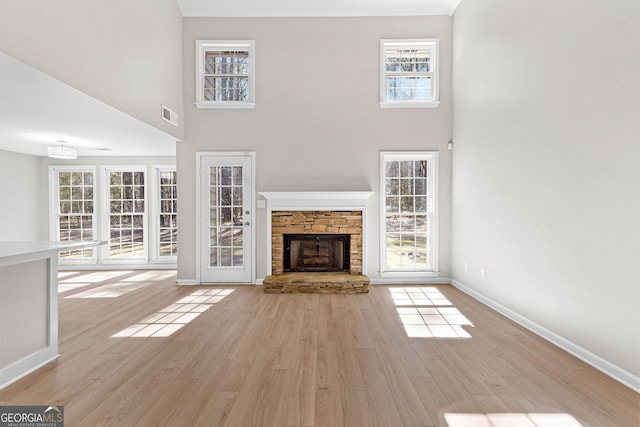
x=76, y=178
x=237, y=175
x=167, y=219
x=392, y=187
x=127, y=219
x=226, y=215
x=406, y=168
x=421, y=204
x=393, y=204
x=237, y=196
x=408, y=71
x=406, y=187
x=406, y=208
x=238, y=257
x=64, y=178
x=75, y=210
x=391, y=169
x=226, y=88
x=406, y=204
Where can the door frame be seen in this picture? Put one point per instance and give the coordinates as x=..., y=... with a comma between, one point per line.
x=198, y=175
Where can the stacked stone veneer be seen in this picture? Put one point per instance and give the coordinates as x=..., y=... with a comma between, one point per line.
x=316, y=222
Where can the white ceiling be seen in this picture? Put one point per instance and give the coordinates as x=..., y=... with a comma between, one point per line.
x=37, y=110
x=256, y=8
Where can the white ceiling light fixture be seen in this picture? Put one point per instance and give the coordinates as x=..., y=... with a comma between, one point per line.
x=62, y=152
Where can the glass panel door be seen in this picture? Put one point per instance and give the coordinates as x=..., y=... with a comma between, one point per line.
x=226, y=213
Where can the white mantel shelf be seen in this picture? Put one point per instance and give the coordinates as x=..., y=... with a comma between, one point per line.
x=309, y=200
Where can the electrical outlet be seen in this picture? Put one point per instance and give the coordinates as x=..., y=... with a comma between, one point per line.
x=466, y=266
x=483, y=273
x=262, y=203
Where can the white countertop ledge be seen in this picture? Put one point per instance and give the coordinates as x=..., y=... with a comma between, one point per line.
x=17, y=252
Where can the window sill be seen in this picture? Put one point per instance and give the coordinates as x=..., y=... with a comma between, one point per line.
x=225, y=105
x=409, y=104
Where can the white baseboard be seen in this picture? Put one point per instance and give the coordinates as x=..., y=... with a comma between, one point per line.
x=410, y=280
x=24, y=367
x=603, y=365
x=185, y=282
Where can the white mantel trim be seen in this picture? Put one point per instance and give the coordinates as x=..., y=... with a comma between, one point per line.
x=311, y=200
x=321, y=201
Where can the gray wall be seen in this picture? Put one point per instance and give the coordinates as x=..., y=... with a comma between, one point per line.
x=22, y=204
x=317, y=124
x=127, y=54
x=545, y=166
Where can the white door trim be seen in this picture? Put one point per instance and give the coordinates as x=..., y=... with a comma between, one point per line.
x=199, y=156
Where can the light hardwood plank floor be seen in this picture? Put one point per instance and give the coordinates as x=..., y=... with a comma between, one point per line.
x=398, y=356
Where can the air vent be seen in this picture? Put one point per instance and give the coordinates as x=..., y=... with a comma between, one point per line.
x=169, y=116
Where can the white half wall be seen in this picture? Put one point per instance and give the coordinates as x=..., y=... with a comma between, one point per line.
x=545, y=167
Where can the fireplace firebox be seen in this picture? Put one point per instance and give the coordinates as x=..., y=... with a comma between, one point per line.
x=316, y=252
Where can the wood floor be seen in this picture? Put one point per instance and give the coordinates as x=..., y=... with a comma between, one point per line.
x=398, y=356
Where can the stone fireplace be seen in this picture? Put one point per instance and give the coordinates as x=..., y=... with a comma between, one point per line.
x=315, y=249
x=316, y=223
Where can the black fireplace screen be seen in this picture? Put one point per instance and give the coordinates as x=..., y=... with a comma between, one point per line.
x=316, y=252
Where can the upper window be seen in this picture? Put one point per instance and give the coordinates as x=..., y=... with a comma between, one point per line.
x=225, y=74
x=409, y=73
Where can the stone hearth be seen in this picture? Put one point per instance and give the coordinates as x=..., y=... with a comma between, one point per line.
x=340, y=283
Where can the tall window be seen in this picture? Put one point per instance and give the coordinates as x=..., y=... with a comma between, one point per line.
x=127, y=212
x=73, y=215
x=225, y=74
x=167, y=212
x=409, y=73
x=409, y=211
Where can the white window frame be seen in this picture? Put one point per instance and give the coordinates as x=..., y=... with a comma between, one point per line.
x=106, y=258
x=155, y=222
x=434, y=46
x=54, y=210
x=204, y=46
x=432, y=212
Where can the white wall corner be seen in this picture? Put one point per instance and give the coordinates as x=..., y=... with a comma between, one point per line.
x=621, y=375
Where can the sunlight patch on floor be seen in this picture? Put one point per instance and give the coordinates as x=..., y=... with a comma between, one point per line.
x=151, y=275
x=173, y=317
x=112, y=290
x=70, y=280
x=426, y=313
x=511, y=420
